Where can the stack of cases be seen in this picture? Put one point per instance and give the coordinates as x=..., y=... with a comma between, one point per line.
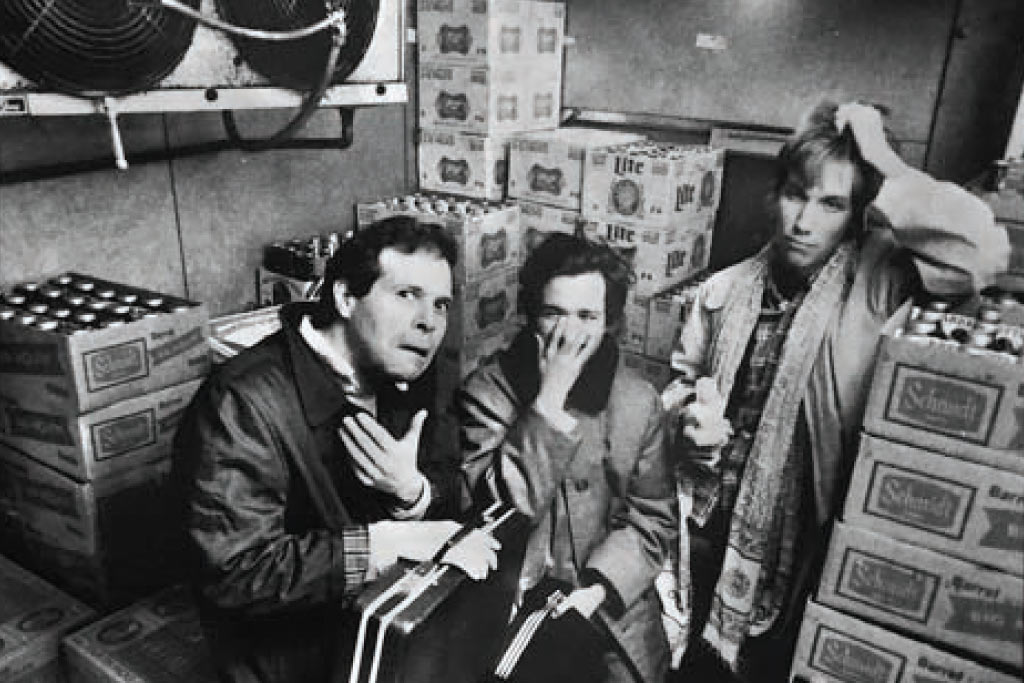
x=156, y=640
x=546, y=177
x=482, y=319
x=33, y=617
x=91, y=393
x=657, y=204
x=924, y=579
x=487, y=68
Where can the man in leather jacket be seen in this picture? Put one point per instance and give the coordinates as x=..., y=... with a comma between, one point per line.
x=303, y=461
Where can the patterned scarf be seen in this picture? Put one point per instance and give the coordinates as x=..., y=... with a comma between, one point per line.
x=751, y=585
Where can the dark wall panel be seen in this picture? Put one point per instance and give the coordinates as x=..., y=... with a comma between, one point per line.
x=779, y=56
x=981, y=90
x=231, y=204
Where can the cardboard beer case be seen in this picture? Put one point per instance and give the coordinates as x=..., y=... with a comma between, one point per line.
x=107, y=541
x=489, y=100
x=661, y=257
x=488, y=236
x=836, y=648
x=925, y=593
x=156, y=640
x=547, y=166
x=470, y=165
x=668, y=311
x=482, y=309
x=967, y=510
x=72, y=374
x=131, y=433
x=652, y=185
x=486, y=32
x=937, y=396
x=537, y=221
x=33, y=617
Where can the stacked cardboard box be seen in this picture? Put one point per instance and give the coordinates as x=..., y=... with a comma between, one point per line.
x=487, y=69
x=90, y=398
x=931, y=545
x=546, y=177
x=656, y=203
x=33, y=617
x=156, y=640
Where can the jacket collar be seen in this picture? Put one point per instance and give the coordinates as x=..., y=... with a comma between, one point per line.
x=321, y=391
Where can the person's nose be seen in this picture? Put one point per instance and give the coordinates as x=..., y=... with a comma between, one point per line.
x=799, y=223
x=427, y=319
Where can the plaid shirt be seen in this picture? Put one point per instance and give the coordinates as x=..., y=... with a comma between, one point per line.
x=754, y=380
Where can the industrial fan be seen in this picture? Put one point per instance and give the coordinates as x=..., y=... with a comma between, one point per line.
x=299, y=64
x=93, y=47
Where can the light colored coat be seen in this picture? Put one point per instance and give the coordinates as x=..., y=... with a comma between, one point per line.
x=613, y=471
x=936, y=235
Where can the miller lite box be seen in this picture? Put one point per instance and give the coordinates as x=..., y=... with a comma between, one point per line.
x=273, y=288
x=133, y=433
x=960, y=508
x=925, y=593
x=481, y=309
x=156, y=640
x=941, y=396
x=652, y=184
x=77, y=343
x=33, y=617
x=836, y=648
x=489, y=100
x=107, y=541
x=547, y=166
x=537, y=221
x=661, y=257
x=460, y=163
x=485, y=32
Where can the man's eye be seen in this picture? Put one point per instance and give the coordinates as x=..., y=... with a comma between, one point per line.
x=407, y=294
x=835, y=207
x=588, y=316
x=443, y=306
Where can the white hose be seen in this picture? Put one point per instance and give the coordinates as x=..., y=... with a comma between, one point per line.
x=334, y=20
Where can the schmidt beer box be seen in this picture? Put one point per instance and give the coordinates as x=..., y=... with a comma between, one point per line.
x=925, y=593
x=490, y=31
x=156, y=640
x=537, y=221
x=81, y=371
x=84, y=517
x=33, y=617
x=489, y=100
x=127, y=434
x=938, y=397
x=967, y=510
x=547, y=166
x=461, y=163
x=482, y=309
x=836, y=648
x=652, y=185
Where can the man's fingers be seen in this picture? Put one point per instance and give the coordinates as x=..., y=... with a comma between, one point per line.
x=416, y=427
x=366, y=443
x=373, y=429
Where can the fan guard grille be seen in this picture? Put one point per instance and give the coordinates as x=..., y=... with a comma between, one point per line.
x=90, y=47
x=300, y=63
